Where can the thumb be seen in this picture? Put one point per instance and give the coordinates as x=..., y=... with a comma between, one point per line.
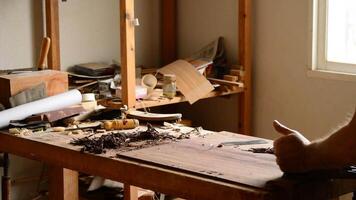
x=282, y=129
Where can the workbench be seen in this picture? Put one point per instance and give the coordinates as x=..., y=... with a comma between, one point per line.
x=194, y=169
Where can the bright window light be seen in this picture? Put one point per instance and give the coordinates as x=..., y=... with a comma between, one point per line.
x=341, y=31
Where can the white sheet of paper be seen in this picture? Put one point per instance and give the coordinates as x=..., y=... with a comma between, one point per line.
x=48, y=104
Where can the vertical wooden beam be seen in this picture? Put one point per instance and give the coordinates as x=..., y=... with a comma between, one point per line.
x=5, y=180
x=128, y=66
x=169, y=31
x=245, y=57
x=130, y=192
x=63, y=184
x=52, y=29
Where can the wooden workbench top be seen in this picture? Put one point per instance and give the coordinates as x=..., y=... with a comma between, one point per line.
x=193, y=168
x=201, y=155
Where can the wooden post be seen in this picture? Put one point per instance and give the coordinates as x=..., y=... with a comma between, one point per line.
x=63, y=184
x=6, y=180
x=130, y=192
x=169, y=31
x=245, y=57
x=52, y=29
x=127, y=40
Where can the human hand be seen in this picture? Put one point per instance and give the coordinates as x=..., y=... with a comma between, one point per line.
x=290, y=149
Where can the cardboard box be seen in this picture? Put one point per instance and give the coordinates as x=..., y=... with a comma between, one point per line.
x=56, y=82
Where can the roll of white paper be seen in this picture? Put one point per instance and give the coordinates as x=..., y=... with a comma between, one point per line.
x=48, y=104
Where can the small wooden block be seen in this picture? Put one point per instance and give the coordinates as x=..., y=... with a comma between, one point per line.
x=231, y=78
x=56, y=82
x=235, y=72
x=225, y=82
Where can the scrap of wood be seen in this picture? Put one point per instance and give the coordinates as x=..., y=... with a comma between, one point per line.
x=148, y=70
x=87, y=85
x=146, y=116
x=57, y=115
x=225, y=82
x=83, y=116
x=236, y=72
x=190, y=82
x=56, y=82
x=231, y=78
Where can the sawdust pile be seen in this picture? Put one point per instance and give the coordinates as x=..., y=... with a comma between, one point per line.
x=99, y=145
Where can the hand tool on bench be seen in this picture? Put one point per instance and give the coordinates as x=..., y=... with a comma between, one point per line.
x=153, y=117
x=246, y=142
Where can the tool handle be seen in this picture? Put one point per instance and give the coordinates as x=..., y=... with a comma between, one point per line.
x=46, y=43
x=121, y=124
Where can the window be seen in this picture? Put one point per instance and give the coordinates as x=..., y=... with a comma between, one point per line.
x=336, y=36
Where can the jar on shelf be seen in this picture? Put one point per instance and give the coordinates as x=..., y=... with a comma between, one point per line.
x=169, y=85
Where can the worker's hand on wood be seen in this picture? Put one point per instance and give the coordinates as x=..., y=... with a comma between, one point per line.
x=291, y=149
x=295, y=153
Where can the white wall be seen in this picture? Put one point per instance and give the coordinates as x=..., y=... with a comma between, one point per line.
x=89, y=32
x=19, y=33
x=282, y=89
x=202, y=21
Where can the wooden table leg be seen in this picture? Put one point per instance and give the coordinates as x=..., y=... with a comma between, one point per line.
x=6, y=180
x=130, y=192
x=63, y=184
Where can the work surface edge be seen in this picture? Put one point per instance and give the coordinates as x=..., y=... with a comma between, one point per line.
x=168, y=181
x=178, y=183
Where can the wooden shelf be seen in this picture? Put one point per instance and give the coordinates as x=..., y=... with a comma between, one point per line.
x=165, y=101
x=169, y=32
